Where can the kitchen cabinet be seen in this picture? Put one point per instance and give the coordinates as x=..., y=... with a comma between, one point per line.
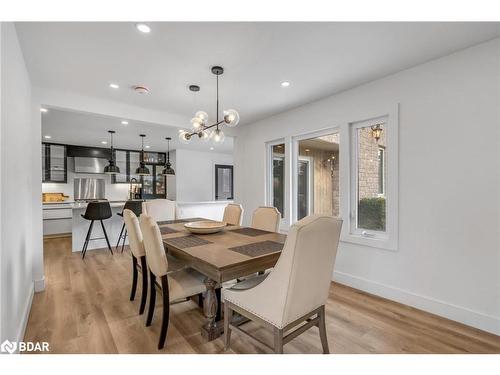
x=54, y=163
x=154, y=185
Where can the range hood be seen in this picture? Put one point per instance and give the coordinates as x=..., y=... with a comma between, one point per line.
x=90, y=165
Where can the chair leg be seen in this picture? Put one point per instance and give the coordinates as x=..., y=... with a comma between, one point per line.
x=152, y=299
x=134, y=278
x=144, y=284
x=124, y=238
x=322, y=330
x=278, y=340
x=166, y=312
x=228, y=317
x=106, y=236
x=87, y=238
x=120, y=237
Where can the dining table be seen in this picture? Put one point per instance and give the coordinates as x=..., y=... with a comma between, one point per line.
x=230, y=254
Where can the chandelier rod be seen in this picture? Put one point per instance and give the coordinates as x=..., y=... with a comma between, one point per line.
x=217, y=110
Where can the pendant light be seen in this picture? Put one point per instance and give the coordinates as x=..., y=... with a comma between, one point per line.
x=111, y=168
x=142, y=170
x=168, y=170
x=199, y=125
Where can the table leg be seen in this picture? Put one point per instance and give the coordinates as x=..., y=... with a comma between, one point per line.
x=210, y=330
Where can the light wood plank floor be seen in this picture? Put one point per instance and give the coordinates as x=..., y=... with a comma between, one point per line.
x=85, y=309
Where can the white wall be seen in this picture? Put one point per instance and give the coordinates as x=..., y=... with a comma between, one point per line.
x=17, y=243
x=114, y=192
x=448, y=260
x=195, y=174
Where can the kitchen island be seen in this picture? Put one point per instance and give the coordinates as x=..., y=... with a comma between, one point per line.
x=64, y=218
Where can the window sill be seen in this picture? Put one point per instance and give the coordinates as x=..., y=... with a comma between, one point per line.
x=379, y=243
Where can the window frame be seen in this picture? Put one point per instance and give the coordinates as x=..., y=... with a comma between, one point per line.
x=269, y=197
x=387, y=240
x=343, y=127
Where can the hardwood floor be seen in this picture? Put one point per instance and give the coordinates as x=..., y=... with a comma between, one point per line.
x=86, y=309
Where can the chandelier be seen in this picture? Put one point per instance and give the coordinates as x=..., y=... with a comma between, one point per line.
x=199, y=122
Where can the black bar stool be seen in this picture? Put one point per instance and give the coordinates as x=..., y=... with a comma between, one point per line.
x=134, y=205
x=96, y=211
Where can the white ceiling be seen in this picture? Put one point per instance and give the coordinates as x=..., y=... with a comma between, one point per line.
x=318, y=59
x=87, y=129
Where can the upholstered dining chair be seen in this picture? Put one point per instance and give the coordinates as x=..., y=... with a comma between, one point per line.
x=136, y=245
x=159, y=209
x=294, y=293
x=177, y=285
x=266, y=218
x=233, y=214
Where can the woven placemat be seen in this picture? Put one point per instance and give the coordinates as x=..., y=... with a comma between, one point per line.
x=258, y=248
x=167, y=230
x=252, y=232
x=177, y=221
x=187, y=241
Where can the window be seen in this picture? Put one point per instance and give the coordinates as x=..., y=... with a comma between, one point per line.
x=223, y=182
x=278, y=177
x=317, y=174
x=369, y=173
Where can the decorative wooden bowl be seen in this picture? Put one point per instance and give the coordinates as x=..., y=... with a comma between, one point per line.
x=205, y=227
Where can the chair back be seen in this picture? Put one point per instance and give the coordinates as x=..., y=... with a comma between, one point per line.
x=153, y=244
x=159, y=209
x=266, y=218
x=135, y=239
x=98, y=211
x=232, y=214
x=300, y=281
x=134, y=205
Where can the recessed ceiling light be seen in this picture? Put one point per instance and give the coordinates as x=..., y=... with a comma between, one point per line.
x=104, y=142
x=211, y=148
x=124, y=122
x=114, y=86
x=285, y=84
x=44, y=110
x=143, y=28
x=47, y=136
x=147, y=146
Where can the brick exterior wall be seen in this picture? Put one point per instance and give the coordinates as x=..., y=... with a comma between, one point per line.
x=368, y=163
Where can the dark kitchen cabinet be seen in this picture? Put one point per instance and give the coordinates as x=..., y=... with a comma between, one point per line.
x=154, y=185
x=54, y=163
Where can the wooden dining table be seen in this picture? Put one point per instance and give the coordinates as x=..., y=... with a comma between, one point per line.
x=230, y=254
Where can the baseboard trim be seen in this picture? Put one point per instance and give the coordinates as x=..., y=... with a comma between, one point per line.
x=26, y=315
x=459, y=314
x=39, y=285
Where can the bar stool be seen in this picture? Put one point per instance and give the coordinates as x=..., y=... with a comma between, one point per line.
x=96, y=211
x=134, y=205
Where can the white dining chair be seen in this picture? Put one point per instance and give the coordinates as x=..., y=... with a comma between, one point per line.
x=233, y=214
x=159, y=209
x=177, y=285
x=136, y=246
x=266, y=218
x=296, y=290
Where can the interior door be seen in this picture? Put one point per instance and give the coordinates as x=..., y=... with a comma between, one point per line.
x=223, y=182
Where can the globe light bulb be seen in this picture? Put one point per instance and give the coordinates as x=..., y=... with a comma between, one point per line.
x=218, y=136
x=196, y=123
x=184, y=137
x=231, y=117
x=202, y=115
x=203, y=135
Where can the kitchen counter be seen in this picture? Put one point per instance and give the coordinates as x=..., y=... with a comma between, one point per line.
x=65, y=217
